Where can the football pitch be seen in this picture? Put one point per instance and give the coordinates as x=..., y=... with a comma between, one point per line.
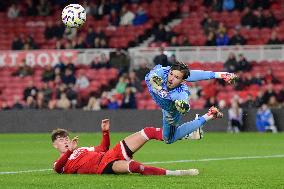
x=247, y=160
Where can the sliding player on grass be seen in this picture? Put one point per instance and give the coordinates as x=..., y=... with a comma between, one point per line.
x=118, y=160
x=167, y=89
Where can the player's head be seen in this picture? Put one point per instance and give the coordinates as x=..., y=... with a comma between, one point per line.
x=60, y=139
x=178, y=73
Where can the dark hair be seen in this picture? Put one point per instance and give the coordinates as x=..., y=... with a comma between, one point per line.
x=182, y=67
x=58, y=133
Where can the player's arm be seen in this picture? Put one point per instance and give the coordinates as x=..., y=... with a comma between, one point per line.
x=60, y=163
x=197, y=75
x=105, y=142
x=155, y=78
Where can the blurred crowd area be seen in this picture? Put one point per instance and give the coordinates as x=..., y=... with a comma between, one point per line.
x=36, y=24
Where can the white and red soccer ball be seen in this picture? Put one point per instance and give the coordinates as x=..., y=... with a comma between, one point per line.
x=73, y=16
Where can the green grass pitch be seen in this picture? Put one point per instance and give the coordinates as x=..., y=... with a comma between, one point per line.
x=20, y=152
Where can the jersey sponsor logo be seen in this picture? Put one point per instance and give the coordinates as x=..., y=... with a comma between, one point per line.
x=163, y=93
x=76, y=153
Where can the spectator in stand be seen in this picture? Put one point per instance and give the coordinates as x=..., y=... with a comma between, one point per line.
x=4, y=106
x=231, y=64
x=59, y=45
x=259, y=100
x=273, y=103
x=211, y=40
x=17, y=104
x=248, y=18
x=269, y=93
x=174, y=42
x=70, y=33
x=120, y=87
x=90, y=36
x=237, y=38
x=160, y=34
x=184, y=41
x=115, y=5
x=63, y=102
x=59, y=30
x=103, y=9
x=41, y=103
x=104, y=99
x=103, y=43
x=235, y=114
x=17, y=44
x=113, y=104
x=161, y=59
x=259, y=20
x=241, y=4
x=195, y=91
x=49, y=30
x=140, y=17
x=93, y=9
x=96, y=64
x=134, y=82
x=23, y=70
x=120, y=61
x=30, y=43
x=212, y=101
x=104, y=61
x=274, y=40
x=48, y=74
x=93, y=104
x=243, y=64
x=172, y=60
x=222, y=39
x=258, y=80
x=280, y=96
x=30, y=103
x=270, y=20
x=264, y=4
x=31, y=8
x=30, y=90
x=82, y=82
x=13, y=11
x=270, y=78
x=71, y=95
x=228, y=5
x=47, y=93
x=44, y=8
x=126, y=16
x=68, y=77
x=249, y=103
x=142, y=71
x=265, y=120
x=209, y=25
x=70, y=65
x=129, y=100
x=80, y=43
x=216, y=5
x=114, y=18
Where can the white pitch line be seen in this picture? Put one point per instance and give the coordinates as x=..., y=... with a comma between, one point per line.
x=216, y=159
x=167, y=162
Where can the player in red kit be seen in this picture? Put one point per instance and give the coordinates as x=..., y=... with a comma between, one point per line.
x=100, y=160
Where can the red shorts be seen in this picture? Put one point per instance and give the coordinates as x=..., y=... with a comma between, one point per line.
x=118, y=152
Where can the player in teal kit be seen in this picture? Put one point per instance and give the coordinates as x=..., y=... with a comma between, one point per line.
x=167, y=89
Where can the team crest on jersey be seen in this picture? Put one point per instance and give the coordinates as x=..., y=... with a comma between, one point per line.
x=163, y=93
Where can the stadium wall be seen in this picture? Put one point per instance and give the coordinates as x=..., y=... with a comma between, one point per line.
x=121, y=120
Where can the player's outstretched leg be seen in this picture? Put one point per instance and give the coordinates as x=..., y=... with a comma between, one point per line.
x=133, y=166
x=191, y=126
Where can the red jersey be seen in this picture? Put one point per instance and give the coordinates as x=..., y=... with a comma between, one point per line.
x=83, y=160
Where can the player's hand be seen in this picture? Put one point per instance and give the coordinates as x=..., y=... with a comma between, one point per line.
x=156, y=82
x=73, y=143
x=230, y=78
x=105, y=125
x=182, y=106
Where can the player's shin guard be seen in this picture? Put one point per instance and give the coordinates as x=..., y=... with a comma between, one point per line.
x=136, y=167
x=152, y=133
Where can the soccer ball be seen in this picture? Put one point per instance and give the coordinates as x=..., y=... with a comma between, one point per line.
x=74, y=16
